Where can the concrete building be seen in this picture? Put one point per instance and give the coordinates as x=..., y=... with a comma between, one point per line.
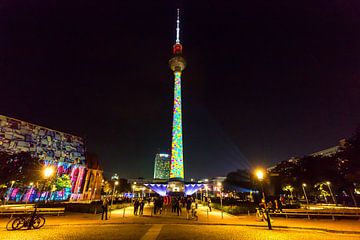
x=65, y=152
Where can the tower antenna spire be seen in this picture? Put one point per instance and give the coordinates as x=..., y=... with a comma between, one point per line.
x=178, y=26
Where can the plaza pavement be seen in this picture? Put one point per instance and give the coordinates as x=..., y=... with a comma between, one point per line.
x=126, y=216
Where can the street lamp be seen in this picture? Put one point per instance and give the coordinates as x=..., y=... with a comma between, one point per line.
x=332, y=195
x=133, y=189
x=112, y=197
x=307, y=201
x=48, y=172
x=260, y=175
x=221, y=205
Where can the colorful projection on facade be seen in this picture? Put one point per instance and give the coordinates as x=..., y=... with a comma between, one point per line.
x=46, y=144
x=177, y=166
x=63, y=151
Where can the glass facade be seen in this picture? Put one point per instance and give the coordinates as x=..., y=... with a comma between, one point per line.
x=162, y=166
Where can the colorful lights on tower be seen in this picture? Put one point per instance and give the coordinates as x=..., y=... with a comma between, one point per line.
x=177, y=64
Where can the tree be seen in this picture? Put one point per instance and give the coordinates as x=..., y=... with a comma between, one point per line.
x=310, y=170
x=107, y=188
x=289, y=188
x=237, y=181
x=21, y=167
x=62, y=182
x=322, y=191
x=349, y=163
x=124, y=186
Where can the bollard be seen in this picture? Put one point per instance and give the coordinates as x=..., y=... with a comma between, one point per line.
x=222, y=214
x=124, y=213
x=207, y=213
x=248, y=213
x=94, y=211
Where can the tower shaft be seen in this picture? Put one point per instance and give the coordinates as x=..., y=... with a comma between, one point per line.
x=177, y=164
x=177, y=64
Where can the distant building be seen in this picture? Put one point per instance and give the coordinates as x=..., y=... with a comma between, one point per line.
x=330, y=151
x=162, y=166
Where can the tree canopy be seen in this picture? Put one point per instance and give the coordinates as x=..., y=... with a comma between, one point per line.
x=20, y=167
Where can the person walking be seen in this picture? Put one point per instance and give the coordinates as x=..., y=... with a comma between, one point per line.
x=188, y=208
x=104, y=207
x=209, y=204
x=178, y=207
x=161, y=204
x=173, y=204
x=193, y=211
x=141, y=207
x=136, y=207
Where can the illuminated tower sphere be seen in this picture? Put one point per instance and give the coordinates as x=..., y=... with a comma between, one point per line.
x=177, y=64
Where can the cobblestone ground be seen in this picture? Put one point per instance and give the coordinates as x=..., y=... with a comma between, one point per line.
x=166, y=231
x=210, y=225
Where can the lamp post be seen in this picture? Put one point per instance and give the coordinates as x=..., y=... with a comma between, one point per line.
x=221, y=205
x=48, y=172
x=332, y=195
x=133, y=189
x=307, y=200
x=112, y=196
x=260, y=175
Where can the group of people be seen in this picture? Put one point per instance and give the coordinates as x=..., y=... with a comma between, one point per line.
x=272, y=207
x=191, y=206
x=176, y=204
x=139, y=207
x=158, y=205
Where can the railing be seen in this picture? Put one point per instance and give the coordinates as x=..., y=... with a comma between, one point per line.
x=29, y=208
x=333, y=213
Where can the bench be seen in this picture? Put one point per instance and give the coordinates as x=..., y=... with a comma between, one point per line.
x=28, y=209
x=317, y=213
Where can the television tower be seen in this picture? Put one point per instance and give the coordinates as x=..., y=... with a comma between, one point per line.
x=177, y=64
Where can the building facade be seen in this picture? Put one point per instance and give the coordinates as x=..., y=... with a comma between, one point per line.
x=65, y=152
x=162, y=166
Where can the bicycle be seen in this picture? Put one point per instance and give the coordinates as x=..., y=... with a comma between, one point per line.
x=9, y=224
x=261, y=215
x=30, y=221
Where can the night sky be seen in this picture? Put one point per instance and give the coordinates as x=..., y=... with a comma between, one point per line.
x=266, y=80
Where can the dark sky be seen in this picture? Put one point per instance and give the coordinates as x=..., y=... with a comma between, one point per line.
x=266, y=80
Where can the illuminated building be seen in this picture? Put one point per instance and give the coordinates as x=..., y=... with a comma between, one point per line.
x=162, y=166
x=64, y=151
